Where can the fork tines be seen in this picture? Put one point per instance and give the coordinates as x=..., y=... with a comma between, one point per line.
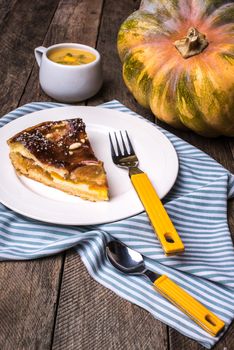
x=120, y=142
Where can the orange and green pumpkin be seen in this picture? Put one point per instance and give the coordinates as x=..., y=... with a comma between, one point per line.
x=178, y=60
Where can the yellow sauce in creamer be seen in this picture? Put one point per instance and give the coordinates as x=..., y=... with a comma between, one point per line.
x=71, y=57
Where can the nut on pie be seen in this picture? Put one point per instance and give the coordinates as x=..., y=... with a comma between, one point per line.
x=59, y=155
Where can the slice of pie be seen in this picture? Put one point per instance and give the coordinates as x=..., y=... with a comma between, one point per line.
x=59, y=155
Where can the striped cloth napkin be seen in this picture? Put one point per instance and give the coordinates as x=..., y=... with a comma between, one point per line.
x=197, y=205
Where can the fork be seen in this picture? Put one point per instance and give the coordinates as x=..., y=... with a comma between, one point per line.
x=126, y=158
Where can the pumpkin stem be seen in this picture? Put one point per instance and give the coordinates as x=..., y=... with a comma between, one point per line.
x=193, y=44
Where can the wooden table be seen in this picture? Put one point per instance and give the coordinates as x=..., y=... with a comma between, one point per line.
x=53, y=303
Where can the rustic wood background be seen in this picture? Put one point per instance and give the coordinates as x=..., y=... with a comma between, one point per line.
x=53, y=303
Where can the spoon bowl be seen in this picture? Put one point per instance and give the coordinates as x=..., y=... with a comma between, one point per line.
x=124, y=258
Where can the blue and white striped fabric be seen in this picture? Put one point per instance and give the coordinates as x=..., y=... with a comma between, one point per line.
x=197, y=205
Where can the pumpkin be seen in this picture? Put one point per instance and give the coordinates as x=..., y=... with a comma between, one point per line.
x=178, y=60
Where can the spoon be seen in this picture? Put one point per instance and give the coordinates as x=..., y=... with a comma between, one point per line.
x=130, y=261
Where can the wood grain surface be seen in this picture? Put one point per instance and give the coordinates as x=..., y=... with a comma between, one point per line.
x=53, y=303
x=23, y=27
x=92, y=317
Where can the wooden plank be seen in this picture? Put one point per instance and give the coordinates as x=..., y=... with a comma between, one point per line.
x=28, y=303
x=231, y=144
x=5, y=10
x=24, y=27
x=75, y=21
x=92, y=317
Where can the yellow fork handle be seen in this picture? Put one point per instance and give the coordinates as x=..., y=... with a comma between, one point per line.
x=158, y=216
x=190, y=306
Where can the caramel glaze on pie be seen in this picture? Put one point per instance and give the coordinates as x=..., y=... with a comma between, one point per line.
x=50, y=143
x=59, y=154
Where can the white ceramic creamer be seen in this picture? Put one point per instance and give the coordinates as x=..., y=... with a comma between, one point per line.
x=69, y=83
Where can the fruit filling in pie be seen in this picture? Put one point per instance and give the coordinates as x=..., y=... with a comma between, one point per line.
x=59, y=155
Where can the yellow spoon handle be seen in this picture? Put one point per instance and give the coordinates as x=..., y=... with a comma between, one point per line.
x=190, y=306
x=158, y=216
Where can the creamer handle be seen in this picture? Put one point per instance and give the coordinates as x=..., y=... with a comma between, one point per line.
x=38, y=52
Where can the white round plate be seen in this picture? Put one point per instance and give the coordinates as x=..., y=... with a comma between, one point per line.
x=157, y=157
